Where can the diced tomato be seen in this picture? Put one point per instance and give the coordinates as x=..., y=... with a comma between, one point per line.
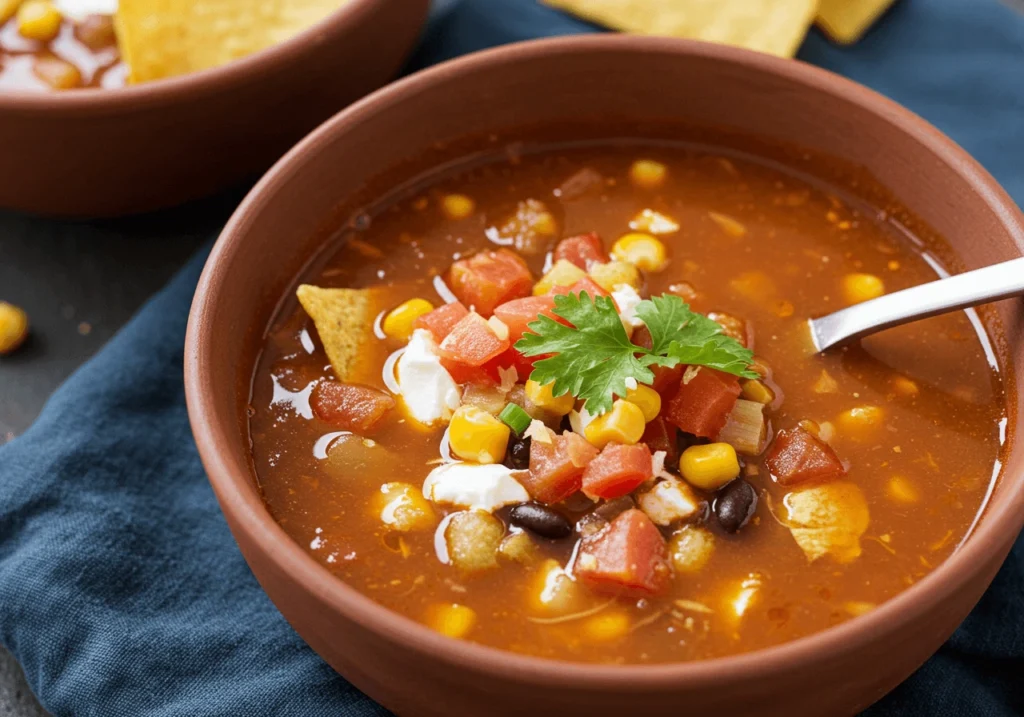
x=797, y=455
x=556, y=468
x=350, y=407
x=618, y=470
x=660, y=435
x=490, y=278
x=522, y=364
x=629, y=556
x=666, y=380
x=582, y=250
x=519, y=313
x=441, y=320
x=702, y=404
x=486, y=375
x=473, y=342
x=586, y=284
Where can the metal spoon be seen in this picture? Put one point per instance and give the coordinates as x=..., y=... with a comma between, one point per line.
x=999, y=281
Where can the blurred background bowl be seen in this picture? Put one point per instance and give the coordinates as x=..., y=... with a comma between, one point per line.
x=109, y=152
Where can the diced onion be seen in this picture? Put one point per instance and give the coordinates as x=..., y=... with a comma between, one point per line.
x=390, y=380
x=443, y=291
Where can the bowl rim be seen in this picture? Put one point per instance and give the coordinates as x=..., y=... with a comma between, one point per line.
x=180, y=87
x=249, y=514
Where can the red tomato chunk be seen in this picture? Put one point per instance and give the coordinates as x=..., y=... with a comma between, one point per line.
x=519, y=313
x=797, y=455
x=582, y=250
x=441, y=320
x=629, y=556
x=702, y=404
x=586, y=284
x=473, y=342
x=618, y=470
x=350, y=407
x=490, y=278
x=556, y=468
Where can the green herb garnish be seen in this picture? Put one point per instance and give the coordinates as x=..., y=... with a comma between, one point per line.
x=516, y=418
x=593, y=357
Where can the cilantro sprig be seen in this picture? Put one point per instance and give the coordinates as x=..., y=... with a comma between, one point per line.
x=593, y=356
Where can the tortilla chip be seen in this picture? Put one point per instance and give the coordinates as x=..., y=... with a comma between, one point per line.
x=164, y=38
x=846, y=21
x=773, y=26
x=828, y=519
x=343, y=318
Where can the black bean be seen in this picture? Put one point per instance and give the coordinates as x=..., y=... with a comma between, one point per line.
x=517, y=457
x=541, y=520
x=735, y=504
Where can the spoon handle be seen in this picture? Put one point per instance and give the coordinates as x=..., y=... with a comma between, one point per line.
x=999, y=281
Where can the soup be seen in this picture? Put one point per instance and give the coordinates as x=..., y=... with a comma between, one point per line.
x=565, y=403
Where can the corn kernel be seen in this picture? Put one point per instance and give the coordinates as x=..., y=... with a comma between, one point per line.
x=451, y=619
x=905, y=386
x=709, y=466
x=755, y=286
x=647, y=399
x=647, y=173
x=563, y=273
x=623, y=424
x=398, y=323
x=402, y=507
x=860, y=421
x=862, y=287
x=457, y=206
x=690, y=548
x=825, y=383
x=758, y=391
x=642, y=250
x=476, y=435
x=858, y=607
x=7, y=9
x=544, y=223
x=902, y=490
x=610, y=275
x=553, y=592
x=13, y=327
x=543, y=397
x=606, y=626
x=39, y=20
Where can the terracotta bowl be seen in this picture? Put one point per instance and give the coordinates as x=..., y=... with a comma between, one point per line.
x=597, y=80
x=107, y=152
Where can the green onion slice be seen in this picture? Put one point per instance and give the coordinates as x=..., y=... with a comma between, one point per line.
x=516, y=418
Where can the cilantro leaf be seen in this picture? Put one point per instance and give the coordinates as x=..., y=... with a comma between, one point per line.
x=681, y=335
x=592, y=358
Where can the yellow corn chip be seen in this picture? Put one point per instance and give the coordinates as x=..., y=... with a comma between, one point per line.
x=845, y=21
x=342, y=318
x=773, y=26
x=164, y=38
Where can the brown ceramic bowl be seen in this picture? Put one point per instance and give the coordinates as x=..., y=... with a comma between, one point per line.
x=596, y=80
x=106, y=152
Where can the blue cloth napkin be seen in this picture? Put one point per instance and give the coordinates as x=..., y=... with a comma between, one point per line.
x=121, y=590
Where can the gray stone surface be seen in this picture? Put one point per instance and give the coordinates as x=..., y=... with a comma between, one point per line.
x=16, y=699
